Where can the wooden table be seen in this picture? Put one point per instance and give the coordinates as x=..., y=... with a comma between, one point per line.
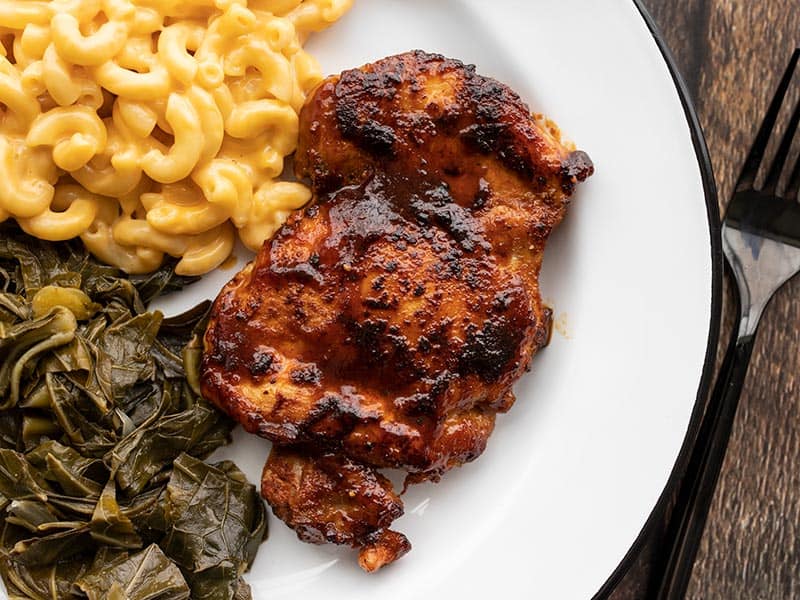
x=731, y=54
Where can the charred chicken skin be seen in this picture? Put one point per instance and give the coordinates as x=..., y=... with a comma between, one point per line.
x=385, y=324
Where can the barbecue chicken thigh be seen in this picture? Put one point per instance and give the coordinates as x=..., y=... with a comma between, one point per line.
x=385, y=324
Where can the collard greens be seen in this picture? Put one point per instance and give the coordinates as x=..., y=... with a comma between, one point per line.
x=104, y=492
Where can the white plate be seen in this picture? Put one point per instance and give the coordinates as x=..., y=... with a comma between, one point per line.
x=572, y=473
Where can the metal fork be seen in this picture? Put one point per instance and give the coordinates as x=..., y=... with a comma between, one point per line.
x=761, y=242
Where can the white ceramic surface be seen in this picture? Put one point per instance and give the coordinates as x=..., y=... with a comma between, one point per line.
x=571, y=474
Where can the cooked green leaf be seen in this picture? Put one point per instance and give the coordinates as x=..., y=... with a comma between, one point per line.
x=124, y=354
x=75, y=356
x=193, y=354
x=19, y=480
x=102, y=428
x=215, y=516
x=78, y=508
x=243, y=591
x=154, y=445
x=74, y=473
x=76, y=412
x=48, y=549
x=12, y=308
x=146, y=575
x=22, y=343
x=10, y=429
x=37, y=262
x=167, y=360
x=161, y=282
x=46, y=582
x=109, y=525
x=30, y=514
x=35, y=427
x=147, y=511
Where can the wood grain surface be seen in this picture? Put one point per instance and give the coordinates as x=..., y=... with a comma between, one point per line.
x=731, y=54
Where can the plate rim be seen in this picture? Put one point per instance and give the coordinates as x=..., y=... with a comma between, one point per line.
x=715, y=233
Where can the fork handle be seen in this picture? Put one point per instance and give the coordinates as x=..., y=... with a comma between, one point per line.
x=705, y=462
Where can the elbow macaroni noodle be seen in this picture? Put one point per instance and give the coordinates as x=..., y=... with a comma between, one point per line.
x=154, y=127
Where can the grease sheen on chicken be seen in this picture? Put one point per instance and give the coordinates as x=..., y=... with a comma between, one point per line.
x=385, y=324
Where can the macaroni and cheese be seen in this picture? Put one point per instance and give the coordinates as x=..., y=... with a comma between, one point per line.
x=154, y=127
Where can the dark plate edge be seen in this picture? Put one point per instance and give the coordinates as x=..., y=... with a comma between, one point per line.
x=712, y=207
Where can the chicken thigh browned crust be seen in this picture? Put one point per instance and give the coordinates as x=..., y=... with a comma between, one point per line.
x=385, y=324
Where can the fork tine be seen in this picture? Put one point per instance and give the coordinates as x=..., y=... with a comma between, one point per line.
x=750, y=168
x=793, y=187
x=776, y=168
